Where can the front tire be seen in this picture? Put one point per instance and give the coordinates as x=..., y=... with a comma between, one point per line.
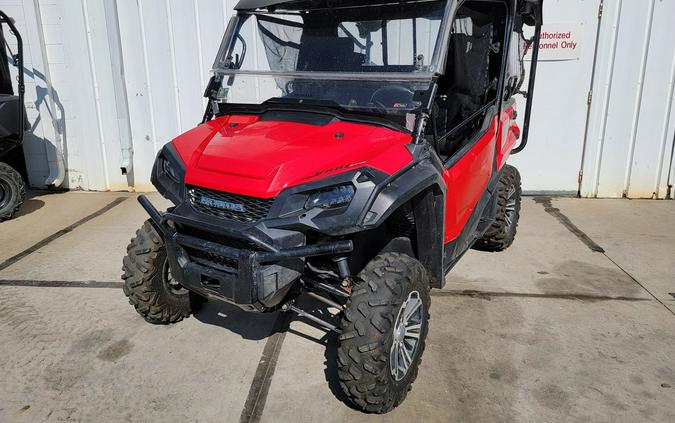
x=148, y=282
x=12, y=191
x=502, y=232
x=384, y=328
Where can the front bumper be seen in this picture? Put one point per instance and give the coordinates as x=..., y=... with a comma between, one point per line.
x=240, y=265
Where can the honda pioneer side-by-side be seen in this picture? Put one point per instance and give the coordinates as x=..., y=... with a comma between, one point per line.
x=352, y=152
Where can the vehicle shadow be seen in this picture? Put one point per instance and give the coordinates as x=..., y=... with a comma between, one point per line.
x=250, y=326
x=259, y=326
x=329, y=341
x=29, y=206
x=39, y=137
x=34, y=201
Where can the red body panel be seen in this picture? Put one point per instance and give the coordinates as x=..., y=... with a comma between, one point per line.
x=509, y=132
x=468, y=178
x=260, y=158
x=245, y=155
x=466, y=182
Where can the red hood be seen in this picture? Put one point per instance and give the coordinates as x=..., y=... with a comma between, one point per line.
x=258, y=158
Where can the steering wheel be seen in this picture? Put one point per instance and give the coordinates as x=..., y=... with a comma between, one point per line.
x=303, y=87
x=390, y=96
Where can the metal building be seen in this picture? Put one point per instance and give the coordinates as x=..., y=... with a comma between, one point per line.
x=109, y=82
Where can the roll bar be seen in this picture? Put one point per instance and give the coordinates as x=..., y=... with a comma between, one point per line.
x=19, y=59
x=530, y=14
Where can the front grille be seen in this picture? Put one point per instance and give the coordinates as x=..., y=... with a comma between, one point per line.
x=238, y=244
x=213, y=260
x=238, y=208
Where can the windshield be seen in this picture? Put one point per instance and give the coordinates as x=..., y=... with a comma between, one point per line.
x=377, y=57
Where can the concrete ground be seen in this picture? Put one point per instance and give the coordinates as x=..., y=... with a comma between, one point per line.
x=575, y=322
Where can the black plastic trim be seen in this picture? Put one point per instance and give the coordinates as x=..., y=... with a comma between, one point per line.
x=169, y=188
x=316, y=119
x=288, y=105
x=258, y=280
x=251, y=5
x=187, y=216
x=288, y=210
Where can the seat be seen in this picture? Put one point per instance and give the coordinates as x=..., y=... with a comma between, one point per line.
x=463, y=90
x=326, y=54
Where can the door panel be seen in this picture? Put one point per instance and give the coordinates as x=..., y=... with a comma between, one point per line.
x=466, y=181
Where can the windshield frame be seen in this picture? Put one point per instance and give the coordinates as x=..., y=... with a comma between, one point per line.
x=436, y=66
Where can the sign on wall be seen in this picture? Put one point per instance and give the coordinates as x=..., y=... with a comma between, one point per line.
x=560, y=41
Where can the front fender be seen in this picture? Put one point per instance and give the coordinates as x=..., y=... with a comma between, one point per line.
x=377, y=196
x=422, y=185
x=397, y=191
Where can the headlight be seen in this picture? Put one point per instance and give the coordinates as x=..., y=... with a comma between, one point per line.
x=168, y=174
x=169, y=170
x=332, y=197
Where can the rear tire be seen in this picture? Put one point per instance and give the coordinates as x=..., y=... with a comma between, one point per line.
x=12, y=191
x=148, y=283
x=502, y=232
x=370, y=371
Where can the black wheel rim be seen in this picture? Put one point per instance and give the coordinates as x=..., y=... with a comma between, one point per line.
x=5, y=193
x=174, y=286
x=406, y=336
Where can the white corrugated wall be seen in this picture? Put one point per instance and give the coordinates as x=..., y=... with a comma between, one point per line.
x=629, y=147
x=551, y=161
x=168, y=49
x=133, y=70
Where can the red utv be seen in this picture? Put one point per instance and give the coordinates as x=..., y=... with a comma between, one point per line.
x=351, y=151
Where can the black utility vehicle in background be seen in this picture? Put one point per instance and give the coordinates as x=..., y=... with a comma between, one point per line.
x=12, y=124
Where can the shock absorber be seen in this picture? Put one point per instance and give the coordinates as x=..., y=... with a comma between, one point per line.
x=345, y=274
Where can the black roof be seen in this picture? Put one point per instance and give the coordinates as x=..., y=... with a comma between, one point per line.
x=255, y=4
x=531, y=10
